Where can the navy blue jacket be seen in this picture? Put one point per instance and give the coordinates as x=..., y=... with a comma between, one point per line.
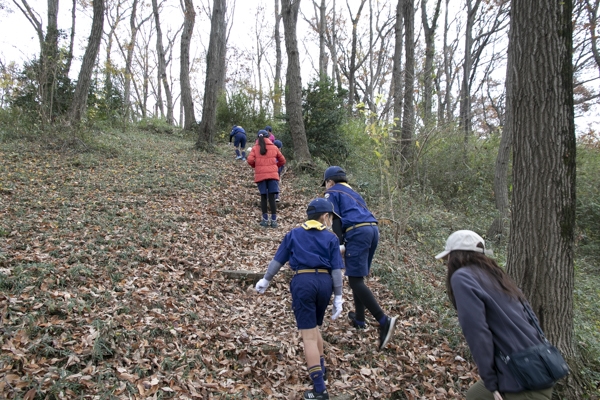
x=491, y=319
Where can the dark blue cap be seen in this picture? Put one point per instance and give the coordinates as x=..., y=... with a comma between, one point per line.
x=319, y=206
x=333, y=172
x=268, y=128
x=262, y=132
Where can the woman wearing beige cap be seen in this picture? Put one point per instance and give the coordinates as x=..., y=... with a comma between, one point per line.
x=493, y=316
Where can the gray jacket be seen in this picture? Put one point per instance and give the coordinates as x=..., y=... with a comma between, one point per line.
x=491, y=320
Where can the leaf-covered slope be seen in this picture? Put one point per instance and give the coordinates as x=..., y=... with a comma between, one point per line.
x=111, y=286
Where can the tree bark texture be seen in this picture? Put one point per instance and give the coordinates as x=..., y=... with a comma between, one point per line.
x=278, y=63
x=322, y=24
x=429, y=33
x=162, y=64
x=408, y=114
x=84, y=80
x=396, y=91
x=353, y=56
x=465, y=88
x=215, y=65
x=189, y=18
x=542, y=127
x=293, y=93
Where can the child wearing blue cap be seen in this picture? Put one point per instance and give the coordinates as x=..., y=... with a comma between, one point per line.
x=358, y=233
x=313, y=253
x=238, y=134
x=279, y=145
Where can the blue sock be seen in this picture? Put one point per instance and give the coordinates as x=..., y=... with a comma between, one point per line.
x=361, y=323
x=323, y=366
x=266, y=217
x=383, y=320
x=243, y=154
x=237, y=152
x=273, y=217
x=316, y=375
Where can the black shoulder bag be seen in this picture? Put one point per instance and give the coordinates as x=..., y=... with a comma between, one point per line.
x=537, y=367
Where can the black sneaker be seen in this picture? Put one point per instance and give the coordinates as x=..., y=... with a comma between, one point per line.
x=352, y=318
x=312, y=395
x=386, y=331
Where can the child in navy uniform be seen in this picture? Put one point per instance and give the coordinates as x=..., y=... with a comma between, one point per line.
x=313, y=252
x=358, y=232
x=239, y=135
x=279, y=145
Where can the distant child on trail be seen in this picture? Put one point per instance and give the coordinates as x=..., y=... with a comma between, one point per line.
x=266, y=159
x=239, y=135
x=279, y=145
x=358, y=232
x=271, y=137
x=313, y=253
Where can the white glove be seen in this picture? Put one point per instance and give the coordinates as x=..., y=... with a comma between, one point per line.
x=337, y=306
x=262, y=285
x=343, y=249
x=497, y=395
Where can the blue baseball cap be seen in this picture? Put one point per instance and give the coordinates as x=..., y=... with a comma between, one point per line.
x=333, y=172
x=262, y=132
x=319, y=206
x=268, y=128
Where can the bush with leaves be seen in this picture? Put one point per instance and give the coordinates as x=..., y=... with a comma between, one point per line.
x=26, y=96
x=238, y=109
x=324, y=115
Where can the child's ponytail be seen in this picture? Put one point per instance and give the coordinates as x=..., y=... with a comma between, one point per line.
x=261, y=142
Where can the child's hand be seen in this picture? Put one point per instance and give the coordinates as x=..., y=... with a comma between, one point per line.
x=337, y=306
x=262, y=285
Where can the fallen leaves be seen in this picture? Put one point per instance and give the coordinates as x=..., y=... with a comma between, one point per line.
x=111, y=285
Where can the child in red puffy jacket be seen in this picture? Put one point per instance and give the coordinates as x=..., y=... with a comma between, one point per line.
x=266, y=159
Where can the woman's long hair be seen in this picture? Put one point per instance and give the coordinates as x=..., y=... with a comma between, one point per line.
x=460, y=258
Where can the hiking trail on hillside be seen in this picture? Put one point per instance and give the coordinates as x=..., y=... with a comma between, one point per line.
x=112, y=286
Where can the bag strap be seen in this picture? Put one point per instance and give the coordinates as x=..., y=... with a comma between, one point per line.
x=533, y=321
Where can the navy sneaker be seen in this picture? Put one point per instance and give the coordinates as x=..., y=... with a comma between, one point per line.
x=312, y=395
x=352, y=318
x=274, y=223
x=264, y=223
x=386, y=331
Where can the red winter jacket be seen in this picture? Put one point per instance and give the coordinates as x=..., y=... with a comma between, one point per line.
x=265, y=167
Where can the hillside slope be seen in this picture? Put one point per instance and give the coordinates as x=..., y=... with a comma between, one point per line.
x=111, y=286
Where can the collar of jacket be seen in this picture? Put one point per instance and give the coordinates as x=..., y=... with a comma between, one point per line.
x=312, y=224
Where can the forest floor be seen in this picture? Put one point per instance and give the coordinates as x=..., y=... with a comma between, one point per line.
x=112, y=285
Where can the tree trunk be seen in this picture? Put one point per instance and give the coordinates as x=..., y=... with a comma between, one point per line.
x=322, y=54
x=353, y=55
x=542, y=127
x=215, y=64
x=293, y=93
x=408, y=117
x=184, y=72
x=498, y=227
x=71, y=39
x=129, y=61
x=465, y=89
x=84, y=80
x=331, y=33
x=278, y=63
x=162, y=64
x=397, y=92
x=429, y=33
